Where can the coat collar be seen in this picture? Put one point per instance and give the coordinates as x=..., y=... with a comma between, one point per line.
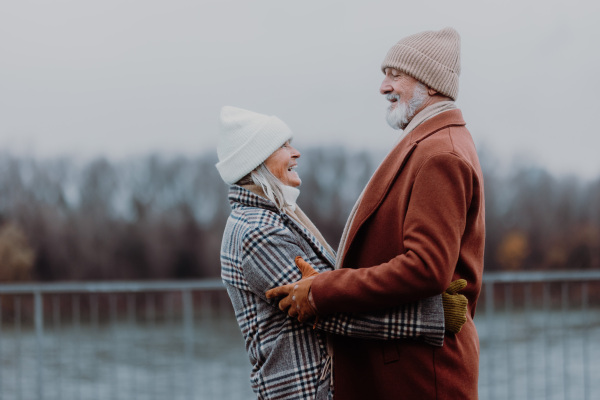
x=242, y=196
x=435, y=124
x=239, y=196
x=383, y=178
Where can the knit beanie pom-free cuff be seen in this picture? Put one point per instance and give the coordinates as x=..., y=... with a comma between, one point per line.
x=247, y=139
x=431, y=57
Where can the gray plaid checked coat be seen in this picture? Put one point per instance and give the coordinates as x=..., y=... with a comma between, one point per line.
x=289, y=359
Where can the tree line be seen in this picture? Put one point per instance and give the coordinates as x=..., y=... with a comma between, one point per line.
x=162, y=217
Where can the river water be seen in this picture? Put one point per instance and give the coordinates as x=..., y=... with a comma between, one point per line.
x=523, y=356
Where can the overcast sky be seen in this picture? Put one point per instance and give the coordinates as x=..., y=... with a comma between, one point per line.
x=123, y=77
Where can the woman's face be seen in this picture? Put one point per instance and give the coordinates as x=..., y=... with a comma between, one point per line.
x=282, y=163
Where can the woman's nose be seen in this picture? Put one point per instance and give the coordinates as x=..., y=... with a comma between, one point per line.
x=295, y=153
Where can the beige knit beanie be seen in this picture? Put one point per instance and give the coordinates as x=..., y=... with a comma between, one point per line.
x=246, y=140
x=431, y=57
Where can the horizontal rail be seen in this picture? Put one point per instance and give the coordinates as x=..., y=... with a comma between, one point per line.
x=525, y=349
x=541, y=276
x=217, y=284
x=111, y=286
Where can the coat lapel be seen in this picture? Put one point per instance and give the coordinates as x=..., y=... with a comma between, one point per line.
x=378, y=186
x=310, y=239
x=242, y=196
x=392, y=165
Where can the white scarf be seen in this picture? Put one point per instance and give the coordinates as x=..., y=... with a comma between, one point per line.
x=428, y=112
x=425, y=114
x=290, y=195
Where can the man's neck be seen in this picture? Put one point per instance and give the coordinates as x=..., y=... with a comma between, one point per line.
x=428, y=112
x=433, y=99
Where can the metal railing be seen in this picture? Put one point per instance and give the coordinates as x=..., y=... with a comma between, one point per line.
x=539, y=335
x=120, y=340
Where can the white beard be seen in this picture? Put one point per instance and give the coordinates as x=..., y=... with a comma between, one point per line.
x=400, y=113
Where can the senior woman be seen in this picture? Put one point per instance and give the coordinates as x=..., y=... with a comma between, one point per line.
x=264, y=234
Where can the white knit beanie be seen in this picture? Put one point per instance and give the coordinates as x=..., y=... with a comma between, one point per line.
x=246, y=140
x=431, y=57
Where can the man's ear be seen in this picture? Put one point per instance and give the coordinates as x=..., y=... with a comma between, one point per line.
x=431, y=92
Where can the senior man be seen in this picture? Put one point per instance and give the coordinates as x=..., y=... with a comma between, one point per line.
x=418, y=225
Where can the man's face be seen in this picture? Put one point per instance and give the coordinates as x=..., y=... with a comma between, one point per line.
x=405, y=94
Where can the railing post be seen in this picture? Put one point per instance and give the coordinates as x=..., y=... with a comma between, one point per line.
x=188, y=327
x=93, y=299
x=55, y=325
x=508, y=310
x=564, y=289
x=489, y=301
x=545, y=333
x=489, y=316
x=1, y=395
x=131, y=322
x=19, y=376
x=114, y=376
x=39, y=335
x=586, y=348
x=75, y=310
x=529, y=363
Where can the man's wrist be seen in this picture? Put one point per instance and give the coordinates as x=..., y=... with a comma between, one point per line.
x=311, y=301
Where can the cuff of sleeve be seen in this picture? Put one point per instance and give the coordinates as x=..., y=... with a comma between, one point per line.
x=318, y=291
x=311, y=301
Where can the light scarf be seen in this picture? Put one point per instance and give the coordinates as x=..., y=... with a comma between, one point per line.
x=299, y=216
x=425, y=114
x=290, y=195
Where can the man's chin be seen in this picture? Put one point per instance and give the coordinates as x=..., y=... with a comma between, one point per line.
x=395, y=123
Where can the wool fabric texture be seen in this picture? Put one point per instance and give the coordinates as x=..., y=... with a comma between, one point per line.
x=290, y=359
x=431, y=57
x=246, y=140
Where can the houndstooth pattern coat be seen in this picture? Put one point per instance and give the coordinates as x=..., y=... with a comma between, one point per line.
x=289, y=359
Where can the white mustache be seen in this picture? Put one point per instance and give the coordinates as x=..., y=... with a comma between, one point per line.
x=392, y=96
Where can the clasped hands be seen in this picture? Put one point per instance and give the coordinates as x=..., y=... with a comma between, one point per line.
x=298, y=302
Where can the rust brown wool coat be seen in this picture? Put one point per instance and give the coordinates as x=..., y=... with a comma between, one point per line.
x=420, y=225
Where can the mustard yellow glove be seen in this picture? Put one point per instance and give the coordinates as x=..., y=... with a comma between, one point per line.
x=455, y=306
x=296, y=294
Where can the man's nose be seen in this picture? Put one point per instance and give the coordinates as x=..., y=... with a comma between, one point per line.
x=385, y=87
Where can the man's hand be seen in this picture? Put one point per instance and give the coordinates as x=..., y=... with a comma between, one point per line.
x=296, y=300
x=455, y=306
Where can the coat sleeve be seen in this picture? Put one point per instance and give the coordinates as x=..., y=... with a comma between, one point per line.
x=269, y=253
x=268, y=259
x=433, y=227
x=422, y=320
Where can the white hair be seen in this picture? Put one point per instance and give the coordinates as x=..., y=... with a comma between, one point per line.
x=399, y=116
x=271, y=186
